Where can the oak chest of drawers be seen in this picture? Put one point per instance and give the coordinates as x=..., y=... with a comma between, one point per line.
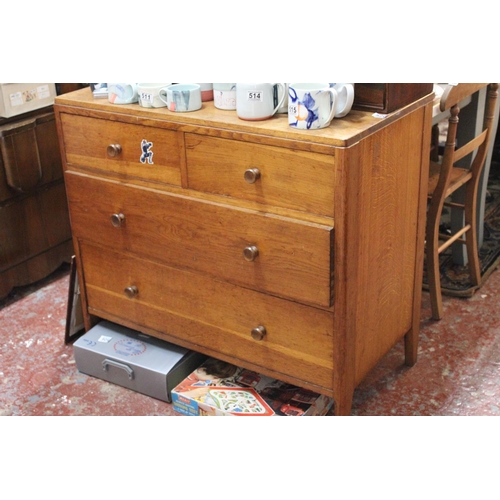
x=297, y=254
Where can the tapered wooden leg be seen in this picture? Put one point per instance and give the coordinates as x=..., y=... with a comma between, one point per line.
x=471, y=242
x=433, y=275
x=411, y=347
x=343, y=404
x=473, y=257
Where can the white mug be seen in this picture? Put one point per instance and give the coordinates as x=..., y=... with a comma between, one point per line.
x=345, y=98
x=311, y=105
x=225, y=95
x=181, y=97
x=122, y=93
x=255, y=101
x=284, y=106
x=148, y=94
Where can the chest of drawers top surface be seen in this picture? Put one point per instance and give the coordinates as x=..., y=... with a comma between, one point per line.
x=341, y=133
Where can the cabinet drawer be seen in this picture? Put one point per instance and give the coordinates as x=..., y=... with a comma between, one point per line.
x=292, y=258
x=299, y=180
x=117, y=147
x=209, y=314
x=29, y=155
x=32, y=225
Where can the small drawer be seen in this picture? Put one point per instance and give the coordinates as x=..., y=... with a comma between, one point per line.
x=278, y=255
x=129, y=151
x=29, y=155
x=276, y=334
x=281, y=177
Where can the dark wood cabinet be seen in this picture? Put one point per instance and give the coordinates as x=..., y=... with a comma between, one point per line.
x=388, y=97
x=35, y=234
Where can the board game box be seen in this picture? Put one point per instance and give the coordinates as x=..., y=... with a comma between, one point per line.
x=217, y=388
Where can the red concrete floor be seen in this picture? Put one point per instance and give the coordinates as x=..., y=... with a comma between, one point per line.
x=457, y=373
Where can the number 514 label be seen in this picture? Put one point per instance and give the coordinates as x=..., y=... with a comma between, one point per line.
x=146, y=96
x=255, y=95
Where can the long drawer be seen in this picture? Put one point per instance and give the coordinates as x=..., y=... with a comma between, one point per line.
x=299, y=180
x=297, y=340
x=282, y=256
x=123, y=149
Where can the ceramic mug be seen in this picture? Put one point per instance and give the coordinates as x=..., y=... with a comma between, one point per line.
x=311, y=105
x=122, y=93
x=148, y=94
x=181, y=97
x=207, y=91
x=255, y=101
x=225, y=95
x=278, y=91
x=345, y=98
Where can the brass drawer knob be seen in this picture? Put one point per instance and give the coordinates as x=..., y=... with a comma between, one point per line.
x=131, y=291
x=250, y=253
x=251, y=175
x=117, y=220
x=114, y=150
x=259, y=332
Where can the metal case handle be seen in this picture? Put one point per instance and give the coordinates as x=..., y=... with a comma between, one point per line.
x=109, y=362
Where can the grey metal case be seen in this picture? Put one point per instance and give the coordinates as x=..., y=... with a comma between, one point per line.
x=134, y=360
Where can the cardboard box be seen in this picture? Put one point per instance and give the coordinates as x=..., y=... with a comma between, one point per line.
x=221, y=389
x=133, y=360
x=18, y=98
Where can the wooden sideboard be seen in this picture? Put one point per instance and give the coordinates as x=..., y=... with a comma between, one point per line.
x=297, y=254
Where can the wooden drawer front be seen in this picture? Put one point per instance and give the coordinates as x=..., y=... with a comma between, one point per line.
x=87, y=140
x=291, y=179
x=32, y=225
x=29, y=155
x=211, y=314
x=294, y=257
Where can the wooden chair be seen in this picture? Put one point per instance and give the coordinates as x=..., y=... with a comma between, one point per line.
x=445, y=178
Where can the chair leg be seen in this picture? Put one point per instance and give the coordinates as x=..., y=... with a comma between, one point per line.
x=435, y=143
x=471, y=243
x=433, y=274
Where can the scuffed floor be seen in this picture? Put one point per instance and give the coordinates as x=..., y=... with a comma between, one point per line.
x=457, y=373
